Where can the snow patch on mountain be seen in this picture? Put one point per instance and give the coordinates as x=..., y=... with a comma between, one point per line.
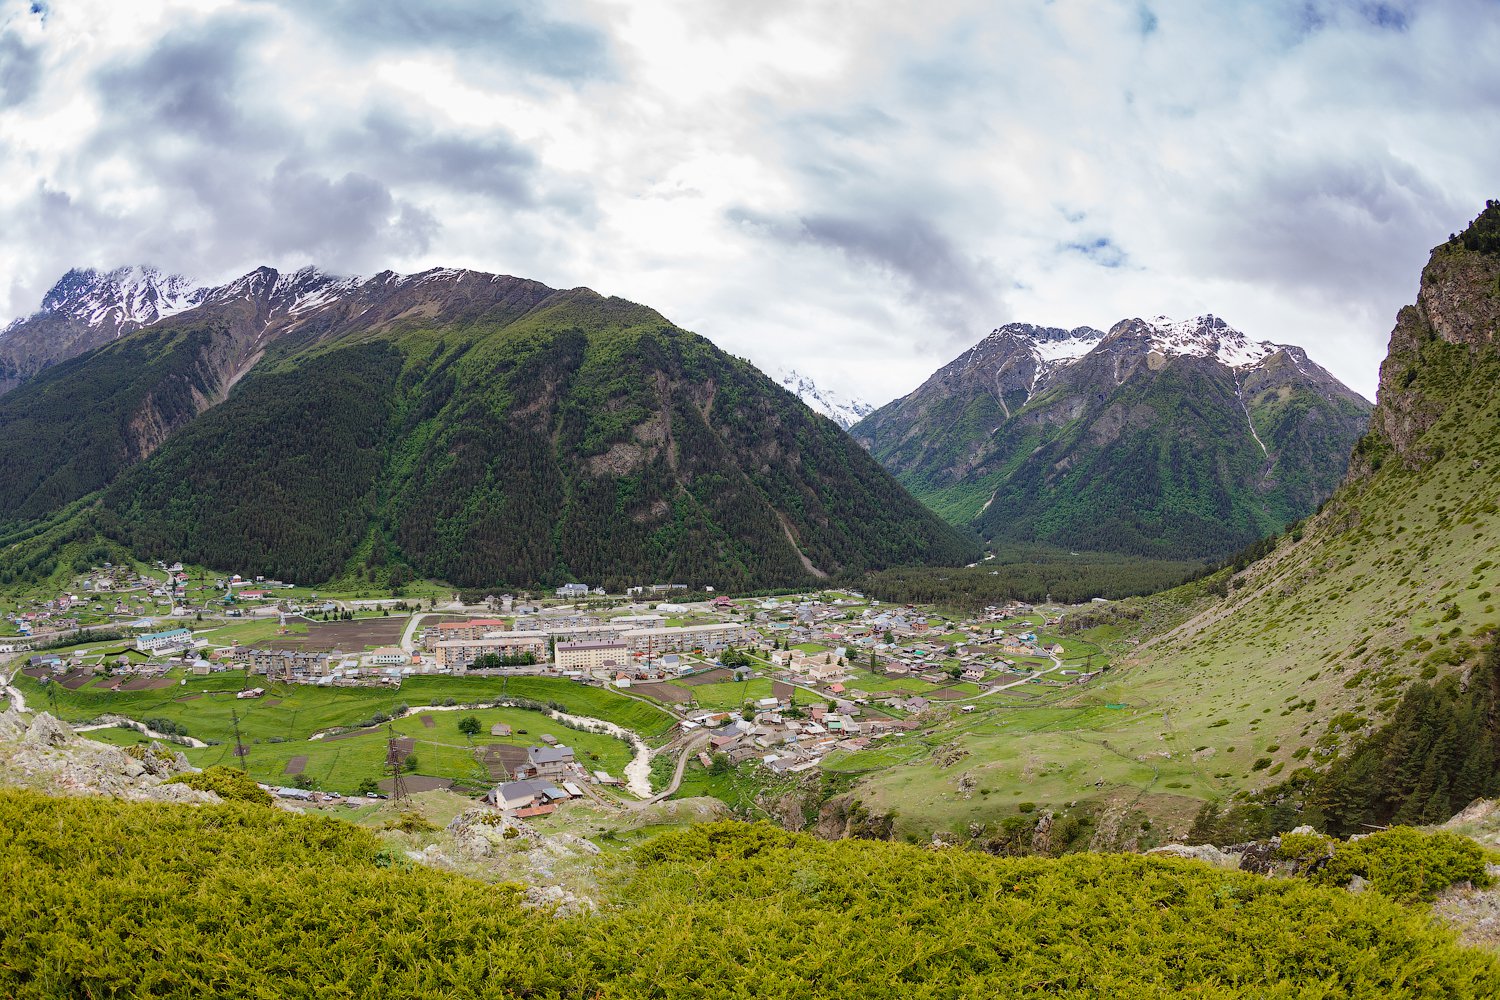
x=846, y=411
x=1208, y=337
x=125, y=299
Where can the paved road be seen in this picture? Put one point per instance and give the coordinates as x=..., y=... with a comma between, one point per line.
x=690, y=746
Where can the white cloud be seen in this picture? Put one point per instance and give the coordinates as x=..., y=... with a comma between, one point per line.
x=857, y=194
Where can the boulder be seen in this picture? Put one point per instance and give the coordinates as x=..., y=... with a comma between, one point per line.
x=47, y=731
x=1199, y=852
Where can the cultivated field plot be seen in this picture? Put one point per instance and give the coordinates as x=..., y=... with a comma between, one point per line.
x=346, y=636
x=502, y=760
x=716, y=676
x=442, y=751
x=670, y=693
x=733, y=694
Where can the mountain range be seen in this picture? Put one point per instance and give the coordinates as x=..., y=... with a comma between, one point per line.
x=470, y=427
x=1159, y=438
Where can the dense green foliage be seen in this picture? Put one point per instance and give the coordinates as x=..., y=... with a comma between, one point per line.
x=76, y=426
x=281, y=479
x=584, y=439
x=1404, y=864
x=167, y=901
x=1188, y=479
x=1439, y=751
x=230, y=784
x=1483, y=234
x=1179, y=459
x=1030, y=573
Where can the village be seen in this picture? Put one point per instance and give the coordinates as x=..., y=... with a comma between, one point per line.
x=775, y=683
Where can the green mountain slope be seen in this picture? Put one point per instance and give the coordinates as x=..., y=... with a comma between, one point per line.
x=487, y=431
x=1308, y=648
x=1284, y=665
x=1155, y=439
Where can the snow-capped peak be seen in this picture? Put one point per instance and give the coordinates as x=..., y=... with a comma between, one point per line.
x=125, y=298
x=1207, y=336
x=843, y=410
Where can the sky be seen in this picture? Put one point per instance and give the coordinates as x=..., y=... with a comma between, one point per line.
x=856, y=191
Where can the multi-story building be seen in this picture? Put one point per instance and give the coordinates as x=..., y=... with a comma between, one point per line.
x=457, y=654
x=290, y=665
x=591, y=655
x=653, y=641
x=155, y=642
x=475, y=628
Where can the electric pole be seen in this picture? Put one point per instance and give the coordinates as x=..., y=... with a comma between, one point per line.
x=240, y=750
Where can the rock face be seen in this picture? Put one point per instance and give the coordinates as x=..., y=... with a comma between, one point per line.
x=1455, y=320
x=43, y=754
x=1156, y=438
x=88, y=309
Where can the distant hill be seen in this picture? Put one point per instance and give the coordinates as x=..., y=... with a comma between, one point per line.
x=470, y=427
x=1171, y=440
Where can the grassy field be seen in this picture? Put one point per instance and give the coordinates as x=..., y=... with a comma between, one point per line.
x=731, y=695
x=442, y=751
x=296, y=711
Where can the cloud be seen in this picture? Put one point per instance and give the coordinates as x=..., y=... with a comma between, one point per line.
x=505, y=33
x=190, y=83
x=20, y=69
x=858, y=198
x=955, y=291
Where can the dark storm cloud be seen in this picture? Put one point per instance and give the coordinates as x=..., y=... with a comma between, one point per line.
x=20, y=69
x=505, y=33
x=405, y=149
x=190, y=82
x=956, y=291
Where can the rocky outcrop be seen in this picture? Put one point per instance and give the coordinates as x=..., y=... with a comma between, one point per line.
x=42, y=753
x=1456, y=317
x=1199, y=852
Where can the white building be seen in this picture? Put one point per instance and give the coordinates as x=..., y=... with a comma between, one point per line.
x=155, y=642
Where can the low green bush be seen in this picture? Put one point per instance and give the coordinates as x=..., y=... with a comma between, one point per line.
x=1406, y=864
x=230, y=784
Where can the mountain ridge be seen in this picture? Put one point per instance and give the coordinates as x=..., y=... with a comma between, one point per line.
x=1146, y=438
x=846, y=411
x=477, y=428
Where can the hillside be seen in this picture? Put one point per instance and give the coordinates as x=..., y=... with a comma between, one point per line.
x=475, y=428
x=1395, y=579
x=1288, y=660
x=175, y=901
x=1182, y=440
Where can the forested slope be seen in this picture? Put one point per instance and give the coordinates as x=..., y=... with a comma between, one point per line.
x=475, y=429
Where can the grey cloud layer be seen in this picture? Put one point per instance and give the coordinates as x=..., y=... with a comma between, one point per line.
x=905, y=180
